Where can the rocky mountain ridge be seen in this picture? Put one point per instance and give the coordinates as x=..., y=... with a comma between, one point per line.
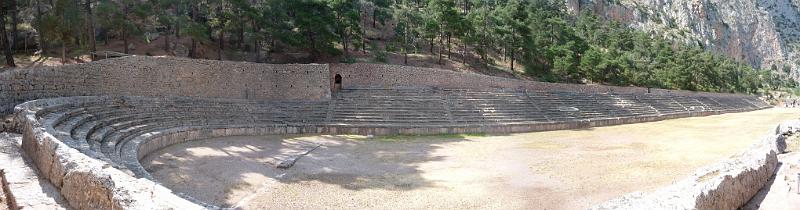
x=764, y=33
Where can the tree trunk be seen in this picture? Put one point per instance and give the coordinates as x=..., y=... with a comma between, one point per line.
x=272, y=43
x=314, y=51
x=193, y=49
x=125, y=29
x=464, y=54
x=179, y=13
x=448, y=45
x=441, y=49
x=14, y=22
x=64, y=47
x=364, y=32
x=221, y=41
x=240, y=41
x=125, y=40
x=512, y=61
x=42, y=44
x=405, y=46
x=177, y=31
x=364, y=40
x=90, y=32
x=431, y=42
x=345, y=38
x=513, y=48
x=484, y=48
x=256, y=44
x=221, y=33
x=166, y=40
x=4, y=38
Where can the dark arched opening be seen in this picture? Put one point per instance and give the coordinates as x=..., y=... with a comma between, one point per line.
x=337, y=82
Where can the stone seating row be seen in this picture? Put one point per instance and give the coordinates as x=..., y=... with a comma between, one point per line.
x=475, y=107
x=115, y=129
x=101, y=128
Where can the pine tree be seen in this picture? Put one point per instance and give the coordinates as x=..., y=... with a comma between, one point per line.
x=6, y=44
x=347, y=22
x=59, y=24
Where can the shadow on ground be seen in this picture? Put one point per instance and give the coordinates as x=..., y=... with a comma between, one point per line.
x=234, y=166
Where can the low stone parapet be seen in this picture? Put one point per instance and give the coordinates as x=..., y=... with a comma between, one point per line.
x=89, y=183
x=725, y=185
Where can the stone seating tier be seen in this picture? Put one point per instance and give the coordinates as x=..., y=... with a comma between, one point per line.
x=120, y=130
x=102, y=127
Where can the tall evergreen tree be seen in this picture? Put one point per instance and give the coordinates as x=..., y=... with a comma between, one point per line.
x=6, y=44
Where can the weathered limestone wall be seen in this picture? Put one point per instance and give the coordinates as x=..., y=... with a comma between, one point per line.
x=152, y=76
x=726, y=185
x=89, y=183
x=166, y=77
x=363, y=75
x=170, y=76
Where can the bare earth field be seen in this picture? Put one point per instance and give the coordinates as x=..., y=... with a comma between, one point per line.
x=571, y=169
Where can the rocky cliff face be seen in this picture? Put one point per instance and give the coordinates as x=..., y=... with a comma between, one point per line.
x=761, y=32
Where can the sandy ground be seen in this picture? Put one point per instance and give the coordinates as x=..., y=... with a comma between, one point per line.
x=570, y=169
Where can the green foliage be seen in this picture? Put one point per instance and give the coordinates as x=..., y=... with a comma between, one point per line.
x=380, y=54
x=349, y=60
x=59, y=23
x=537, y=36
x=559, y=48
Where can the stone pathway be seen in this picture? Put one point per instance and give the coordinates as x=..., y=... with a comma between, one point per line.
x=6, y=200
x=30, y=191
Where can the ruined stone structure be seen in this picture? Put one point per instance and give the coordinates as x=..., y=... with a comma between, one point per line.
x=87, y=126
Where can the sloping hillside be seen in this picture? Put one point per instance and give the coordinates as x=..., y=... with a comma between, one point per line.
x=764, y=33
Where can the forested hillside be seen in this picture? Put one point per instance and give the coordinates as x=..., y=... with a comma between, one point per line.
x=538, y=39
x=763, y=33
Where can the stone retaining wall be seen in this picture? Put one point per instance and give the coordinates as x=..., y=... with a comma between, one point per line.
x=363, y=75
x=172, y=76
x=726, y=185
x=165, y=77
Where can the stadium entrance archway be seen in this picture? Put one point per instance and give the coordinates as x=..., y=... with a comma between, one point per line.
x=337, y=82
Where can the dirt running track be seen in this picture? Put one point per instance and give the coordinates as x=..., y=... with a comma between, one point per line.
x=571, y=169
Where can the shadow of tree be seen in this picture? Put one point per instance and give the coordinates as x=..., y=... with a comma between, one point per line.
x=224, y=171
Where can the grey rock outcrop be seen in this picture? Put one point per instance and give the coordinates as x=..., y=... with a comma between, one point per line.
x=762, y=33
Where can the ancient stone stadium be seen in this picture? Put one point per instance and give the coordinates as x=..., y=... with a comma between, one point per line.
x=122, y=133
